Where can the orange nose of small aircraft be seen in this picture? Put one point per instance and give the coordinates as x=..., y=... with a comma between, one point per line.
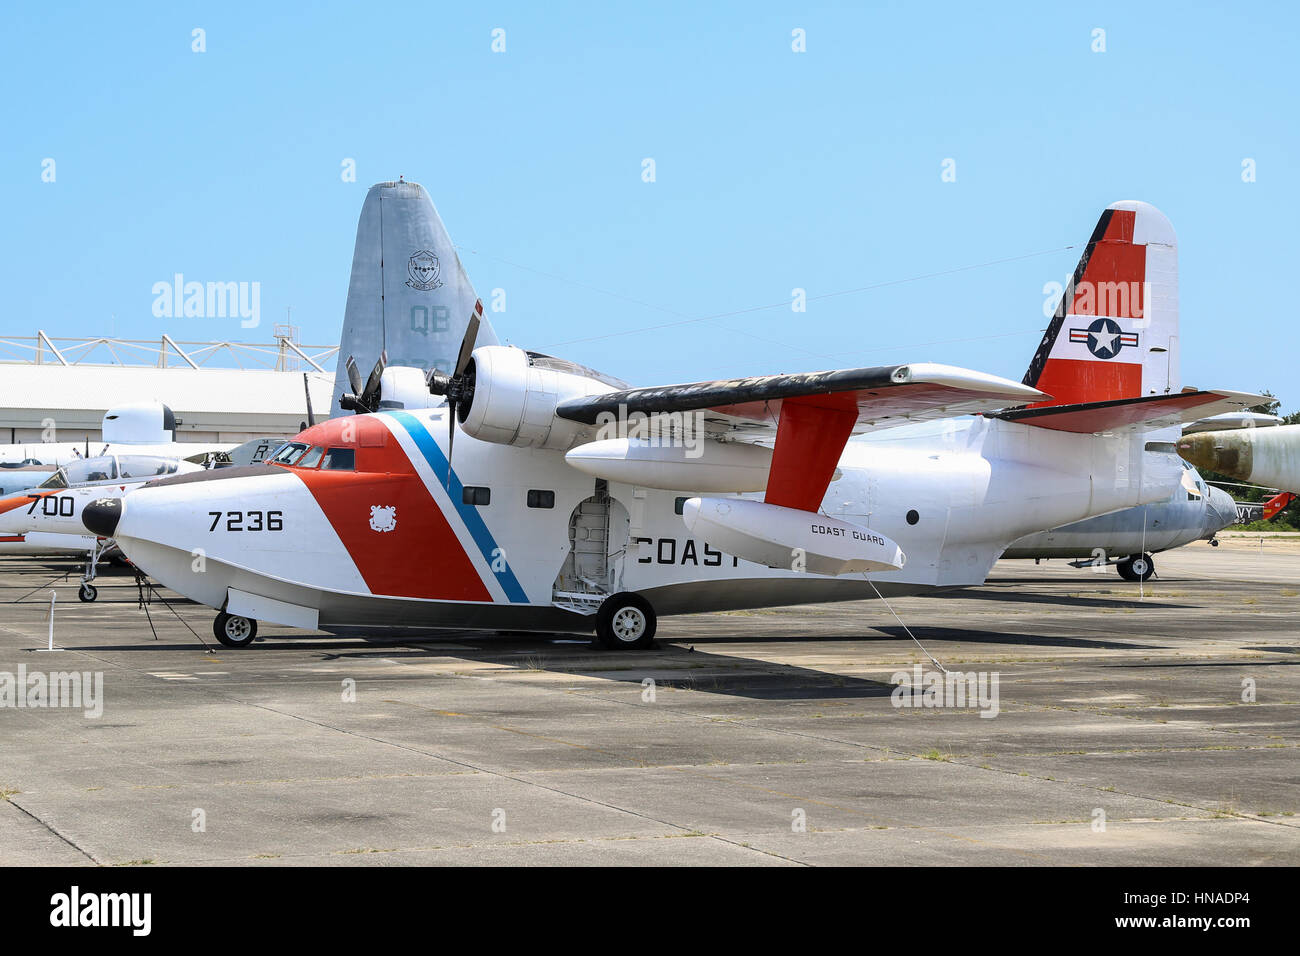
x=101, y=516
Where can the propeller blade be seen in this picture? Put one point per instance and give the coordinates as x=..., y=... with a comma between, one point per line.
x=467, y=343
x=306, y=386
x=372, y=383
x=369, y=398
x=451, y=437
x=354, y=377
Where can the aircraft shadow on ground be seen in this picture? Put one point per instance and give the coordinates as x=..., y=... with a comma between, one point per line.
x=923, y=634
x=726, y=674
x=671, y=665
x=1072, y=600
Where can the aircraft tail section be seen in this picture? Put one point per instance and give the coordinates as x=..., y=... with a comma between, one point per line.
x=409, y=294
x=1114, y=335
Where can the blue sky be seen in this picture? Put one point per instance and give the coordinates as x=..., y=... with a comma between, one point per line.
x=773, y=170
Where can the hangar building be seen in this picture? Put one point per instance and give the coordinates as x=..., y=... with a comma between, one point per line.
x=219, y=391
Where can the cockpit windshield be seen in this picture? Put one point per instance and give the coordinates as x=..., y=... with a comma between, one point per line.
x=541, y=360
x=144, y=466
x=288, y=453
x=84, y=471
x=109, y=468
x=57, y=480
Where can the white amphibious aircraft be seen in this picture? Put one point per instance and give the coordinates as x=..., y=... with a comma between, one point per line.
x=573, y=503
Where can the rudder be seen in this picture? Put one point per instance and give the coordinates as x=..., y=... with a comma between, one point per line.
x=1115, y=331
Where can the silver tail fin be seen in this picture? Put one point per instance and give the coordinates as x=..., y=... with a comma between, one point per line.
x=408, y=294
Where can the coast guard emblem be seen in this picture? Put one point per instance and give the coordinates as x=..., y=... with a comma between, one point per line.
x=383, y=517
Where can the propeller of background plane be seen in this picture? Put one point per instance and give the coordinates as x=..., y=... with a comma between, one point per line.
x=459, y=386
x=306, y=387
x=364, y=400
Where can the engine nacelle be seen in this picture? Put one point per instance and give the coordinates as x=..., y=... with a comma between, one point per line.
x=709, y=466
x=515, y=398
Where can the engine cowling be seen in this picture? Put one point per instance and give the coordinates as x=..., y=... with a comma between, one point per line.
x=514, y=400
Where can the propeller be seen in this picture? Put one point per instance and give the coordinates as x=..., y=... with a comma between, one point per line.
x=306, y=386
x=364, y=400
x=459, y=386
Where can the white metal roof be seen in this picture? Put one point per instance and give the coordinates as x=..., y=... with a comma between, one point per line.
x=78, y=395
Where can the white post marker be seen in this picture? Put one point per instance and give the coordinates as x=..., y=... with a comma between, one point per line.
x=53, y=597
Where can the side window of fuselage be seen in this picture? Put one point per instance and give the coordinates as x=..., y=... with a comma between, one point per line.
x=339, y=459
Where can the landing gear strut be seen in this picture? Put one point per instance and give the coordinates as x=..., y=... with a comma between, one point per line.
x=1136, y=567
x=233, y=630
x=625, y=621
x=88, y=592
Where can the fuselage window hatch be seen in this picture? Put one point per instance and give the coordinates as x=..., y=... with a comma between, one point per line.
x=340, y=459
x=538, y=498
x=476, y=495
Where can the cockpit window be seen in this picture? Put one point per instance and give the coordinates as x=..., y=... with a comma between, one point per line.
x=57, y=480
x=311, y=459
x=340, y=459
x=91, y=469
x=289, y=453
x=144, y=466
x=541, y=360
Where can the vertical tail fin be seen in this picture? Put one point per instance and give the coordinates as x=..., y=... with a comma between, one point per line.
x=408, y=293
x=1115, y=331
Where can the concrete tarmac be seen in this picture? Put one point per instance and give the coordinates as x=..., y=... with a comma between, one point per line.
x=1155, y=726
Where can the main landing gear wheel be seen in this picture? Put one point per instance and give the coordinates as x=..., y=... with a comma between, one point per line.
x=233, y=630
x=625, y=621
x=87, y=593
x=1136, y=567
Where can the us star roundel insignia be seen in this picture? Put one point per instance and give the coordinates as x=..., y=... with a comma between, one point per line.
x=1104, y=338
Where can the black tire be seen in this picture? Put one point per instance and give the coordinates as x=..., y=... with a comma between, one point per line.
x=87, y=593
x=1136, y=567
x=626, y=621
x=233, y=630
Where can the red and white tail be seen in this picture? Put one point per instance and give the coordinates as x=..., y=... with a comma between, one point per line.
x=1115, y=332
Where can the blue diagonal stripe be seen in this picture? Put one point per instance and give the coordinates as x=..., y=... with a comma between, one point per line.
x=468, y=513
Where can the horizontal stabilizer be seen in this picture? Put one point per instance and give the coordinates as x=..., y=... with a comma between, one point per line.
x=1147, y=413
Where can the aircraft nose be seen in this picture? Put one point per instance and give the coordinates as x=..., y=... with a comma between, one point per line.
x=1224, y=452
x=102, y=515
x=1223, y=508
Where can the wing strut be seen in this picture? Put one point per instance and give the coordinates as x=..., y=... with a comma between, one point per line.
x=809, y=441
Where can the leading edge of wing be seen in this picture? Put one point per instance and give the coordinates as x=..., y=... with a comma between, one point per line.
x=940, y=386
